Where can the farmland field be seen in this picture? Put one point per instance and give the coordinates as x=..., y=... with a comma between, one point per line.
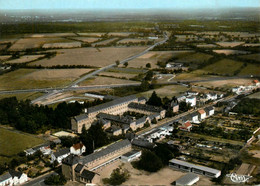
x=2, y=58
x=51, y=35
x=224, y=66
x=194, y=58
x=25, y=59
x=12, y=142
x=33, y=78
x=90, y=56
x=28, y=43
x=229, y=44
x=255, y=95
x=169, y=91
x=117, y=75
x=230, y=52
x=251, y=69
x=86, y=39
x=132, y=40
x=22, y=96
x=225, y=83
x=152, y=58
x=121, y=34
x=255, y=57
x=91, y=34
x=105, y=81
x=105, y=42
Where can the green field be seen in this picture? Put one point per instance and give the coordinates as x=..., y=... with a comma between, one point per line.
x=251, y=69
x=12, y=142
x=22, y=96
x=195, y=58
x=224, y=67
x=255, y=95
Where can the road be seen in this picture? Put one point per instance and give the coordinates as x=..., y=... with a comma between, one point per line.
x=39, y=181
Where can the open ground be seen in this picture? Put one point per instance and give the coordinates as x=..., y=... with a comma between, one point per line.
x=90, y=56
x=25, y=59
x=99, y=80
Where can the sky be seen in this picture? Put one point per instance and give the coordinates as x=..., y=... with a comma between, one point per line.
x=126, y=4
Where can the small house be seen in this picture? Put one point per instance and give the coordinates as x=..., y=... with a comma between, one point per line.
x=77, y=149
x=60, y=155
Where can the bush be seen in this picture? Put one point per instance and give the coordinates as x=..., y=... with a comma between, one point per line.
x=117, y=177
x=55, y=180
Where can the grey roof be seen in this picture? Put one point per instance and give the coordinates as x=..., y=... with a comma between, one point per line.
x=81, y=117
x=78, y=168
x=125, y=126
x=186, y=118
x=207, y=109
x=145, y=107
x=141, y=120
x=141, y=99
x=112, y=103
x=119, y=119
x=186, y=179
x=109, y=149
x=114, y=128
x=143, y=144
x=15, y=173
x=5, y=176
x=194, y=114
x=30, y=150
x=87, y=175
x=61, y=152
x=131, y=153
x=70, y=160
x=187, y=164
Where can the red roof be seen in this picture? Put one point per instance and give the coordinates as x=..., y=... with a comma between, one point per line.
x=201, y=111
x=187, y=124
x=78, y=146
x=256, y=81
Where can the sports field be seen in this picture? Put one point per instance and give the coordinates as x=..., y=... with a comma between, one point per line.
x=13, y=142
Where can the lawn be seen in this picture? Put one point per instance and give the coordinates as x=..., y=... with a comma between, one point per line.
x=255, y=95
x=251, y=69
x=13, y=142
x=255, y=57
x=196, y=58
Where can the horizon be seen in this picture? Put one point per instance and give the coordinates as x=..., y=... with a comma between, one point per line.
x=118, y=5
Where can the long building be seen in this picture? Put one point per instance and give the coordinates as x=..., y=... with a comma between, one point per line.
x=82, y=168
x=198, y=169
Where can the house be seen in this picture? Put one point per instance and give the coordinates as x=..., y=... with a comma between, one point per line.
x=212, y=96
x=186, y=126
x=77, y=149
x=181, y=98
x=175, y=107
x=192, y=93
x=18, y=177
x=114, y=130
x=188, y=179
x=256, y=83
x=6, y=179
x=186, y=118
x=60, y=155
x=191, y=100
x=13, y=177
x=202, y=114
x=209, y=110
x=194, y=117
x=130, y=156
x=29, y=152
x=46, y=150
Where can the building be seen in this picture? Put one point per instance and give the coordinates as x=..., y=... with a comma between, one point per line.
x=44, y=148
x=198, y=169
x=212, y=96
x=175, y=107
x=209, y=110
x=115, y=130
x=202, y=114
x=13, y=177
x=77, y=149
x=194, y=117
x=60, y=155
x=188, y=179
x=130, y=156
x=192, y=93
x=81, y=168
x=143, y=144
x=186, y=126
x=191, y=100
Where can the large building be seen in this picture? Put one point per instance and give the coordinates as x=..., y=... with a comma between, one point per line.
x=82, y=168
x=109, y=110
x=198, y=169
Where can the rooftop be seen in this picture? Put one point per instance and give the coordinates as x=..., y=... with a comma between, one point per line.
x=143, y=143
x=145, y=107
x=112, y=103
x=81, y=117
x=61, y=152
x=111, y=148
x=77, y=146
x=119, y=119
x=5, y=176
x=87, y=174
x=186, y=179
x=129, y=154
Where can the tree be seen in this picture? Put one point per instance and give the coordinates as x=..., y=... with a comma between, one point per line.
x=148, y=65
x=117, y=62
x=154, y=100
x=165, y=154
x=149, y=161
x=126, y=64
x=149, y=75
x=117, y=177
x=55, y=180
x=144, y=85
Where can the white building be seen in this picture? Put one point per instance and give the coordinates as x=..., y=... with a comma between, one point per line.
x=78, y=149
x=130, y=156
x=202, y=114
x=194, y=117
x=192, y=100
x=13, y=178
x=188, y=179
x=209, y=110
x=212, y=96
x=60, y=155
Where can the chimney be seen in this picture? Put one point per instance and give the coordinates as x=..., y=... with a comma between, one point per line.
x=85, y=110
